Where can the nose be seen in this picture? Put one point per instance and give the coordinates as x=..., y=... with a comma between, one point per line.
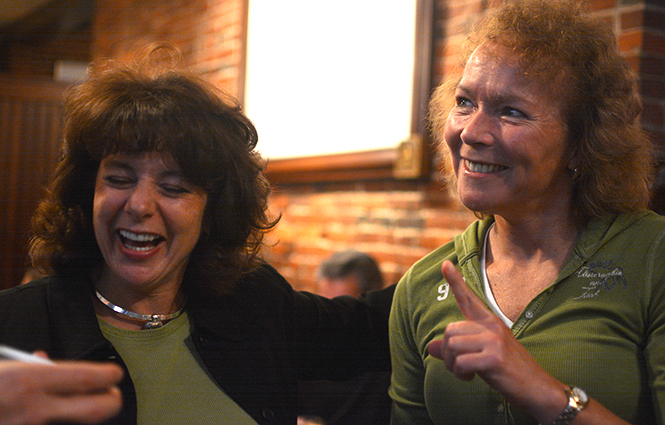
x=478, y=129
x=141, y=202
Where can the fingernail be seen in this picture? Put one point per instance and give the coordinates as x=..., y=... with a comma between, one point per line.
x=434, y=348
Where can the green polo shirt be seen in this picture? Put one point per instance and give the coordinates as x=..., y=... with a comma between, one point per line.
x=600, y=326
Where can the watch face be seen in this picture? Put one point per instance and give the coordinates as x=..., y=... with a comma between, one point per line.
x=580, y=395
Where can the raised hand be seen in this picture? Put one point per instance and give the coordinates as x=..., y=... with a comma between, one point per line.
x=483, y=345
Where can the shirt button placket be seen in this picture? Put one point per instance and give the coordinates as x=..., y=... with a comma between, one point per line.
x=500, y=418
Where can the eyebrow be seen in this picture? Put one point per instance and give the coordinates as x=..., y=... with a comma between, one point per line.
x=499, y=97
x=117, y=163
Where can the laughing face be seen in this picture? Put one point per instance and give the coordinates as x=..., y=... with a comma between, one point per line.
x=147, y=219
x=507, y=138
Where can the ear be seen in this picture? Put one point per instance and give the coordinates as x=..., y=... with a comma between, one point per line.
x=572, y=164
x=573, y=159
x=573, y=167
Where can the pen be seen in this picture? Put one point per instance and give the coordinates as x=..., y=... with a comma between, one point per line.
x=10, y=353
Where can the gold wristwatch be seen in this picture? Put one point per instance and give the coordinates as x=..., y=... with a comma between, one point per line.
x=577, y=400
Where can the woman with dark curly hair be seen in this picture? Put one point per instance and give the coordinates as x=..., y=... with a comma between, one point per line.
x=150, y=109
x=150, y=234
x=555, y=297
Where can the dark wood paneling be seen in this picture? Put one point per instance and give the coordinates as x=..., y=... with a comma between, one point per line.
x=367, y=165
x=30, y=135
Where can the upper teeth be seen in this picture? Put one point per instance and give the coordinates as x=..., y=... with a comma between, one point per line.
x=138, y=237
x=483, y=168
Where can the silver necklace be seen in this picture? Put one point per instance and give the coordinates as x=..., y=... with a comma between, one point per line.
x=152, y=321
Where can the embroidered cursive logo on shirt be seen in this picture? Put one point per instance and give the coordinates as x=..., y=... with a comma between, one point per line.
x=601, y=276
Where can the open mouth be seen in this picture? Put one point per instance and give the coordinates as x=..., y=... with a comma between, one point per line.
x=477, y=167
x=139, y=241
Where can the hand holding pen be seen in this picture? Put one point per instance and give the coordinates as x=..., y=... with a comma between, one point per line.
x=36, y=390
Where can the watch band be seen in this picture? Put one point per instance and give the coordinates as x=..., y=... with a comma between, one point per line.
x=577, y=401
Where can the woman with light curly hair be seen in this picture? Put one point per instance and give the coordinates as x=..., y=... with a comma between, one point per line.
x=550, y=308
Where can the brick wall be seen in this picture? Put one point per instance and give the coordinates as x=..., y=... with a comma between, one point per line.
x=641, y=38
x=397, y=222
x=208, y=33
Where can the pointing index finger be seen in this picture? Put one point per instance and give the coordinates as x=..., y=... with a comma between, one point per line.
x=469, y=304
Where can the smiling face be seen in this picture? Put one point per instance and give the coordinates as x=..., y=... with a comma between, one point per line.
x=507, y=138
x=147, y=219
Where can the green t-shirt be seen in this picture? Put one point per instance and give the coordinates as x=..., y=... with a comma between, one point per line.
x=600, y=326
x=172, y=384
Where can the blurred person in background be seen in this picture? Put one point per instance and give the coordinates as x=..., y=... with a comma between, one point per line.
x=350, y=273
x=364, y=399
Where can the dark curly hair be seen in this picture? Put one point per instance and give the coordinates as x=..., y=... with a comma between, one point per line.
x=615, y=158
x=152, y=105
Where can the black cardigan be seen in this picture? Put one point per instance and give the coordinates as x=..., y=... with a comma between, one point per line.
x=257, y=341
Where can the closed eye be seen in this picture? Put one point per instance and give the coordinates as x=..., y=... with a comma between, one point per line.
x=118, y=181
x=174, y=190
